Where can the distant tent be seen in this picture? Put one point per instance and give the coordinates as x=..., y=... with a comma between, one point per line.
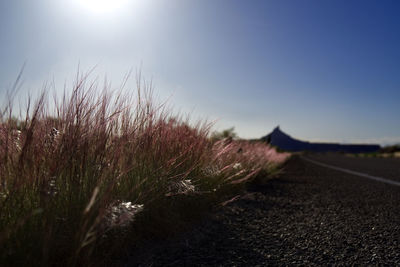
x=285, y=142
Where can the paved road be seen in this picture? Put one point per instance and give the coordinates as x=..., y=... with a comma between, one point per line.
x=388, y=168
x=336, y=167
x=311, y=215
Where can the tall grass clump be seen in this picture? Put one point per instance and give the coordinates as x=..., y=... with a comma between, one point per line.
x=75, y=169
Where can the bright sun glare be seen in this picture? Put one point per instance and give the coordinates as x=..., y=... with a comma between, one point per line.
x=103, y=6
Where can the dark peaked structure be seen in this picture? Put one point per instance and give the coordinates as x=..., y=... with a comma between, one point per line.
x=283, y=141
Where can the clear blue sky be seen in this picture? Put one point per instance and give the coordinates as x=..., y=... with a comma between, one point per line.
x=322, y=70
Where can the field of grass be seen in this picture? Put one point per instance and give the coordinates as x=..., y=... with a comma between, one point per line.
x=94, y=169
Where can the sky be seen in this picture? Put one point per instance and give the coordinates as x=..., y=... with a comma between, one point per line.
x=322, y=70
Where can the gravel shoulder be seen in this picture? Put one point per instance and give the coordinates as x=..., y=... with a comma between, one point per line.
x=308, y=216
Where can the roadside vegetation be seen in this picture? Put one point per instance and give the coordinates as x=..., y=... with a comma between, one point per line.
x=392, y=151
x=86, y=173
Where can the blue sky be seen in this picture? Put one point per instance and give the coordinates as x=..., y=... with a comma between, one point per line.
x=322, y=70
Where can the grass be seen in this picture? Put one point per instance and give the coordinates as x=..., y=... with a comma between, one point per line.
x=75, y=174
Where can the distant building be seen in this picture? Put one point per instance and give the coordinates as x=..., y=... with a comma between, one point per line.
x=285, y=142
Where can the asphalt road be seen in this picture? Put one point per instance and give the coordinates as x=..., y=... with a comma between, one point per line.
x=388, y=168
x=310, y=216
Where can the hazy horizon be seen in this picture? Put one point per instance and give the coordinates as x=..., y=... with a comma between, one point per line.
x=323, y=71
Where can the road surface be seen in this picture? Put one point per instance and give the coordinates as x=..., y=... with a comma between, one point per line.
x=311, y=215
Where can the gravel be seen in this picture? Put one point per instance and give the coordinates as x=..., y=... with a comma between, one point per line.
x=309, y=216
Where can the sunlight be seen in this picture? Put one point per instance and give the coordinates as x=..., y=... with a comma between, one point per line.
x=103, y=6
